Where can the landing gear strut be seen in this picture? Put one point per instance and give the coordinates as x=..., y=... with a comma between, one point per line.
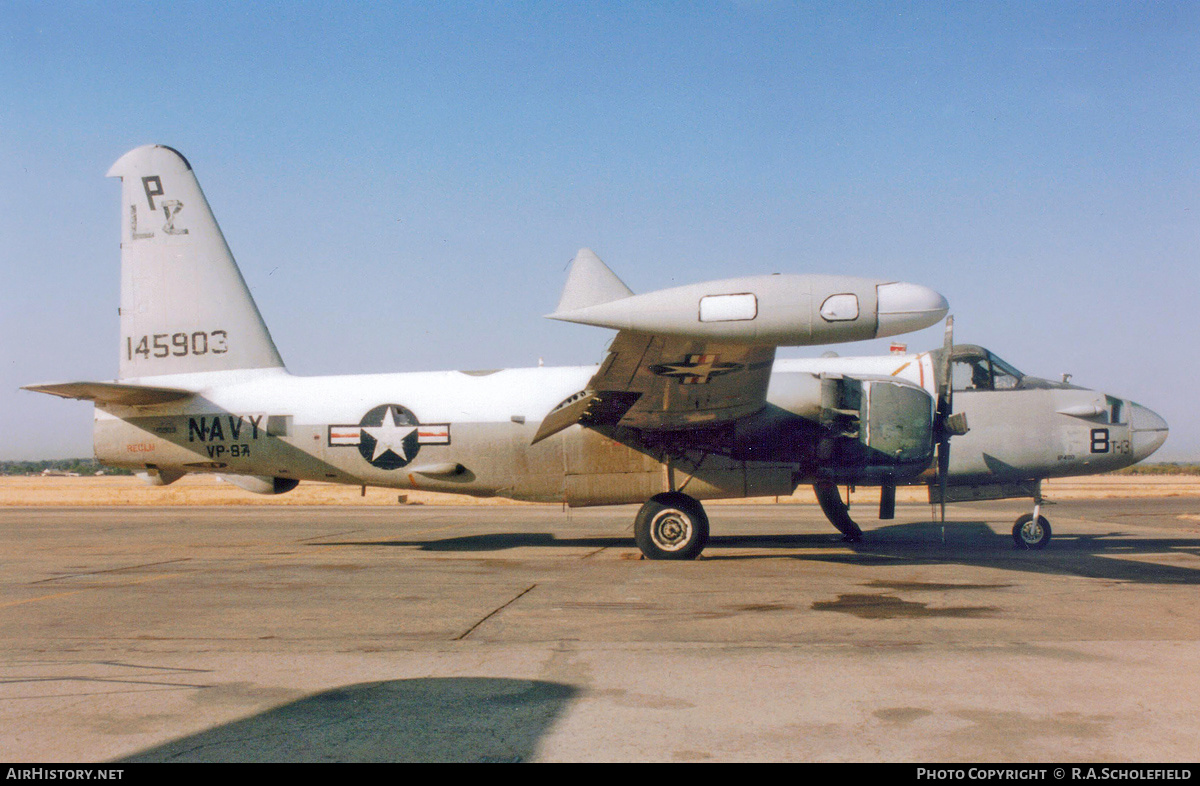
x=671, y=525
x=837, y=511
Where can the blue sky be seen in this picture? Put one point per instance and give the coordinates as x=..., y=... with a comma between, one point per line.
x=403, y=185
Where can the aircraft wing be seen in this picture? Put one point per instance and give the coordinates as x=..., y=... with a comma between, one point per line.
x=661, y=383
x=112, y=393
x=701, y=354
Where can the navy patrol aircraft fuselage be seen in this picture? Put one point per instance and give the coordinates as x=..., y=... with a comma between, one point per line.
x=689, y=404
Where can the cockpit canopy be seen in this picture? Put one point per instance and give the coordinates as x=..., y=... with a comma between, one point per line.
x=975, y=368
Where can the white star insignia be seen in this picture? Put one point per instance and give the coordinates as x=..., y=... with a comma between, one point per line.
x=389, y=436
x=702, y=370
x=696, y=369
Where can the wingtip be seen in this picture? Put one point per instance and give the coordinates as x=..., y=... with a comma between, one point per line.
x=904, y=307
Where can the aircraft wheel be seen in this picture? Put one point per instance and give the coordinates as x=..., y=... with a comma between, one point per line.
x=836, y=510
x=1030, y=534
x=671, y=526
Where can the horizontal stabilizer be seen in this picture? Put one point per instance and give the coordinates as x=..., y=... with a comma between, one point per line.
x=590, y=283
x=113, y=393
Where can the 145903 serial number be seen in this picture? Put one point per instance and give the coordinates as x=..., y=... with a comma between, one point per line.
x=162, y=345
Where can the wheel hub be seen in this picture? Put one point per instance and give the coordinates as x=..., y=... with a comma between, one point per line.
x=671, y=530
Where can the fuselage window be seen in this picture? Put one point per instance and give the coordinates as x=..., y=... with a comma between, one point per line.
x=840, y=308
x=728, y=308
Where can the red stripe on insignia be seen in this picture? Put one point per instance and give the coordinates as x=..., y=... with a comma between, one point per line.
x=434, y=434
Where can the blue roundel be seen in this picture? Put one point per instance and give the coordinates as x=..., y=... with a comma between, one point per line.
x=388, y=436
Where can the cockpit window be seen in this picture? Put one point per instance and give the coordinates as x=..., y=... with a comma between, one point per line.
x=1116, y=412
x=972, y=374
x=974, y=368
x=1004, y=376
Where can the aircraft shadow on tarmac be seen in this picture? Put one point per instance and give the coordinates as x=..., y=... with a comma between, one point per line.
x=1110, y=556
x=466, y=719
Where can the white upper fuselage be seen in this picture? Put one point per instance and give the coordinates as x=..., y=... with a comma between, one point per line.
x=456, y=396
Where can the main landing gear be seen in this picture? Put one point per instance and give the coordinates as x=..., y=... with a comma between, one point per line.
x=671, y=525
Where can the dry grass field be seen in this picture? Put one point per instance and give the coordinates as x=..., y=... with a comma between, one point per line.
x=209, y=490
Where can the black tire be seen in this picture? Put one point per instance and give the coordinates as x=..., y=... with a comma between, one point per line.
x=671, y=526
x=1030, y=535
x=836, y=511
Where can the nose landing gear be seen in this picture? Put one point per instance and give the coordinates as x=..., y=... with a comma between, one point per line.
x=1032, y=531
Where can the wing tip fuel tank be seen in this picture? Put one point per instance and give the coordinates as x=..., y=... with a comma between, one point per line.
x=905, y=307
x=781, y=310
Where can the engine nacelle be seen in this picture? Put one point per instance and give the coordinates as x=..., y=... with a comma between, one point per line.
x=848, y=429
x=876, y=429
x=261, y=484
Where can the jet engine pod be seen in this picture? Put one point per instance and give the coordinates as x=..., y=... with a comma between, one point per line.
x=780, y=310
x=153, y=476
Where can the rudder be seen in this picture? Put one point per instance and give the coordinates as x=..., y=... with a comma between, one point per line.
x=185, y=307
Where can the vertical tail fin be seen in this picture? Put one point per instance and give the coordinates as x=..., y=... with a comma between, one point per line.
x=184, y=304
x=589, y=283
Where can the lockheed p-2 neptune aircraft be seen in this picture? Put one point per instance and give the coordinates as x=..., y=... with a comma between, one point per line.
x=689, y=403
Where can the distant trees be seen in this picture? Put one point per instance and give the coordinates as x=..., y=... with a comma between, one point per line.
x=81, y=466
x=1164, y=468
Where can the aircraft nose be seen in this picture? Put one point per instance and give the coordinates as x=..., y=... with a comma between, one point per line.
x=1149, y=431
x=904, y=307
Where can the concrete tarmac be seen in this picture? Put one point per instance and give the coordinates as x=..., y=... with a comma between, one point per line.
x=529, y=633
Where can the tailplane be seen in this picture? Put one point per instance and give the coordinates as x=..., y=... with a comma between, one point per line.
x=185, y=307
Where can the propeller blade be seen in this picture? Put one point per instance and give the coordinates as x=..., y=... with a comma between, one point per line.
x=945, y=391
x=945, y=407
x=943, y=467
